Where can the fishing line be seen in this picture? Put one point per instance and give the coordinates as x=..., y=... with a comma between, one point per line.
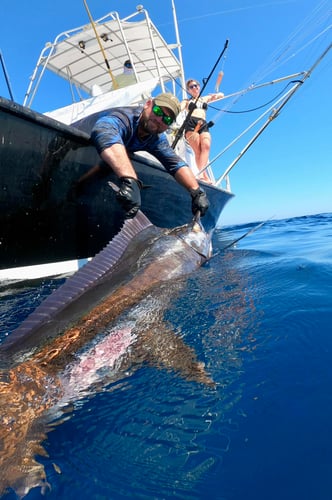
x=258, y=107
x=299, y=39
x=171, y=77
x=218, y=81
x=252, y=230
x=289, y=49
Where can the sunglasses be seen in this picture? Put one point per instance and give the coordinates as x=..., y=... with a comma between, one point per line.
x=194, y=86
x=168, y=120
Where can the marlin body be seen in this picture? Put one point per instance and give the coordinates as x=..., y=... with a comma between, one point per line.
x=104, y=319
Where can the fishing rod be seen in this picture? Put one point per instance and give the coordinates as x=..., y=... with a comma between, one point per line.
x=114, y=82
x=191, y=109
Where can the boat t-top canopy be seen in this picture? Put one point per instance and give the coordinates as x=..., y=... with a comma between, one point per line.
x=94, y=54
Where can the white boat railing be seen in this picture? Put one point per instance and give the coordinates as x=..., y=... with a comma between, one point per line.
x=274, y=109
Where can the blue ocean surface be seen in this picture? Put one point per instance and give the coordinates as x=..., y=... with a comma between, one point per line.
x=259, y=315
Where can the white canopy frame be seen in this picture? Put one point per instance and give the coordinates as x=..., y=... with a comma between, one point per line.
x=75, y=55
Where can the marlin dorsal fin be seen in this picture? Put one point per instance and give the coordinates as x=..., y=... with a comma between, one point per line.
x=76, y=285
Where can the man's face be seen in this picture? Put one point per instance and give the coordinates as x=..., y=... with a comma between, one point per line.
x=151, y=122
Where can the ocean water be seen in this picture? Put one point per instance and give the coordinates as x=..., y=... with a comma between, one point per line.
x=259, y=315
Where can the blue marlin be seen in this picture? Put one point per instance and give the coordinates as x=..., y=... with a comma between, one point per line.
x=104, y=319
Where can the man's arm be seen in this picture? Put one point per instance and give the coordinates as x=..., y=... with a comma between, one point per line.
x=129, y=195
x=199, y=200
x=182, y=174
x=118, y=160
x=186, y=178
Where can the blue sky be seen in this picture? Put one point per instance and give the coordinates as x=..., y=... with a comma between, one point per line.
x=288, y=171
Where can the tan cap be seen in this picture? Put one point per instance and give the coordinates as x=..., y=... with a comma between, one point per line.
x=169, y=101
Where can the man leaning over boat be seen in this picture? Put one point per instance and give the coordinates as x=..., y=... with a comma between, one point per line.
x=129, y=129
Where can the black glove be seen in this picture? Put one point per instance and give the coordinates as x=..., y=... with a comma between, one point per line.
x=199, y=201
x=129, y=195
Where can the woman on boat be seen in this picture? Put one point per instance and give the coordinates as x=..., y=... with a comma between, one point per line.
x=196, y=128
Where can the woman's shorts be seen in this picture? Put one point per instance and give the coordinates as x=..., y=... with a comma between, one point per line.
x=192, y=123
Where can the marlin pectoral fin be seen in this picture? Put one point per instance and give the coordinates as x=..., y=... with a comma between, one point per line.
x=166, y=349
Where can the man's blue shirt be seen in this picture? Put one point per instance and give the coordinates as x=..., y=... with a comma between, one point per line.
x=119, y=126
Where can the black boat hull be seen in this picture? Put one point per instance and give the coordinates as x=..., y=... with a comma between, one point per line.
x=43, y=216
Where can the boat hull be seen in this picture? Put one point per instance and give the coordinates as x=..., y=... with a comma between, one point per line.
x=45, y=218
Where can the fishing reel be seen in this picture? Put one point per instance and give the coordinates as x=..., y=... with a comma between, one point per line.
x=200, y=105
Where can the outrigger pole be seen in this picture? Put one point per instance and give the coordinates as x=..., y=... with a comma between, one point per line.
x=114, y=83
x=205, y=82
x=274, y=114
